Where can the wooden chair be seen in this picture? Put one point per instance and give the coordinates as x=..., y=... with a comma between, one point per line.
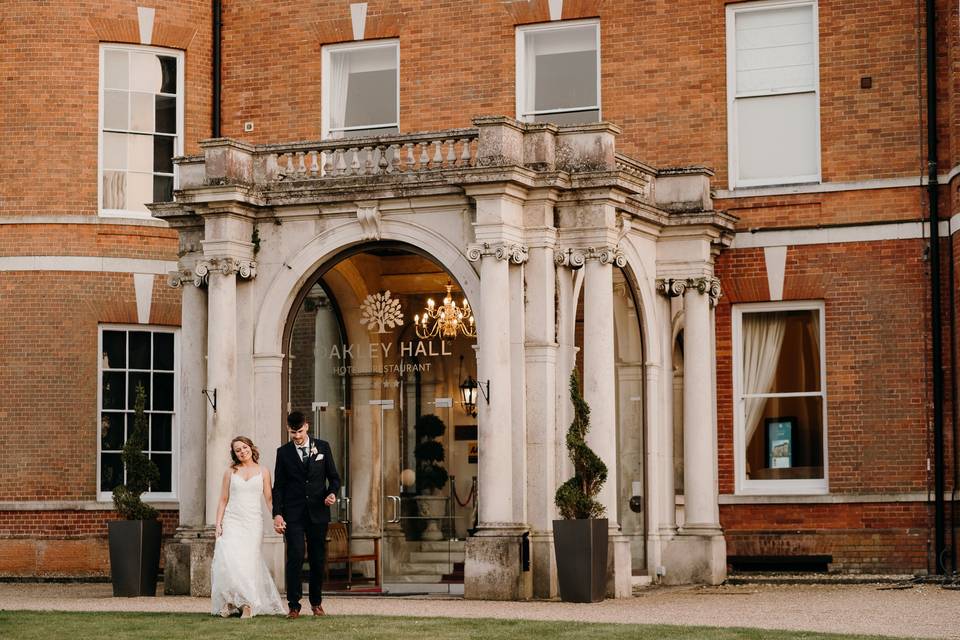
x=338, y=551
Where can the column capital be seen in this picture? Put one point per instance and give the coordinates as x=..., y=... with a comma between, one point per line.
x=515, y=253
x=246, y=269
x=175, y=279
x=674, y=287
x=577, y=257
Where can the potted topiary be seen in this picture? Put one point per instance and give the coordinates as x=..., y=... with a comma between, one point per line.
x=580, y=538
x=135, y=539
x=431, y=475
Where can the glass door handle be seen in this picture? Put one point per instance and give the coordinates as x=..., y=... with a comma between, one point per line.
x=396, y=509
x=343, y=507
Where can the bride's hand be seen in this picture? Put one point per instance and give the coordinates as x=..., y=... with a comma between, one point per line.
x=219, y=529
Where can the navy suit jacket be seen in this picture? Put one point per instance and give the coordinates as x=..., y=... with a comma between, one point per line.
x=300, y=487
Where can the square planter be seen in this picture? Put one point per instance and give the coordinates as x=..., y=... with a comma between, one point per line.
x=581, y=548
x=134, y=556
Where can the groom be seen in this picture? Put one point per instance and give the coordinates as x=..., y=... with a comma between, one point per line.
x=305, y=485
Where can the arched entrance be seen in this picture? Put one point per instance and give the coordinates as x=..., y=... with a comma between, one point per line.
x=385, y=391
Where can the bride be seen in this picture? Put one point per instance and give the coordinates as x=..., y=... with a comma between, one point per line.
x=240, y=581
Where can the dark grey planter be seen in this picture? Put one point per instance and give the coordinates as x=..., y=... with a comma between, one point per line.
x=581, y=548
x=134, y=556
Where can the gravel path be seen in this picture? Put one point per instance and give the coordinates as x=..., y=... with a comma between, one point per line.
x=924, y=611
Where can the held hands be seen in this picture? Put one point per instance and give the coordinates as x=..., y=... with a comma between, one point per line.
x=329, y=500
x=279, y=524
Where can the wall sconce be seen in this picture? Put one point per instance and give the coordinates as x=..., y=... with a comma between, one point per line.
x=468, y=394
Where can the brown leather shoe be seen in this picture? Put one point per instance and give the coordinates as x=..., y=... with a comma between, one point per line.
x=318, y=611
x=293, y=614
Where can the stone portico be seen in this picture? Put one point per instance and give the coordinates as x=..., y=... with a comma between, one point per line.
x=532, y=221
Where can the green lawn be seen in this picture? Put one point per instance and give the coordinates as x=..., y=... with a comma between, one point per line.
x=34, y=625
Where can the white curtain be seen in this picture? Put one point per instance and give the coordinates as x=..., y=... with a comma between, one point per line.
x=339, y=83
x=762, y=341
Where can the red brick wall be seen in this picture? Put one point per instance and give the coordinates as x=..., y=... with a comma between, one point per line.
x=60, y=543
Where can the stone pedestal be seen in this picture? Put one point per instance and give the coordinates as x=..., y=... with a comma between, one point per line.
x=494, y=569
x=187, y=561
x=694, y=557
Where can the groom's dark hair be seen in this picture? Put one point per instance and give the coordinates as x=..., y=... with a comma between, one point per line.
x=295, y=420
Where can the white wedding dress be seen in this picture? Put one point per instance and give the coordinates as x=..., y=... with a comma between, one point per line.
x=239, y=576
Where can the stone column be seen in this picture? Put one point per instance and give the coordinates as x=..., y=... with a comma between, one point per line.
x=178, y=577
x=492, y=569
x=269, y=434
x=599, y=390
x=698, y=553
x=540, y=350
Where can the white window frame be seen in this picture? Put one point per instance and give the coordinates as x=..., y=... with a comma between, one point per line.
x=325, y=81
x=178, y=145
x=528, y=115
x=733, y=151
x=747, y=486
x=150, y=496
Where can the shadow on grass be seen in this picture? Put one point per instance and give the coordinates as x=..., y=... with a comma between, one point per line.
x=34, y=625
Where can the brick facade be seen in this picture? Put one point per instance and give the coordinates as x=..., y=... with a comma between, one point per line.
x=663, y=81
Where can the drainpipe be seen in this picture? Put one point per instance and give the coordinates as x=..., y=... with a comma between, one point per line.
x=936, y=326
x=217, y=26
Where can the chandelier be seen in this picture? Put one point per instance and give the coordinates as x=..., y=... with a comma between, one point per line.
x=447, y=320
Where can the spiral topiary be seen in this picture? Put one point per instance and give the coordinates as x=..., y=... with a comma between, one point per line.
x=429, y=452
x=575, y=497
x=141, y=470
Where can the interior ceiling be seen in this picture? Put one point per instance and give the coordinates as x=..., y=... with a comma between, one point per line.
x=401, y=272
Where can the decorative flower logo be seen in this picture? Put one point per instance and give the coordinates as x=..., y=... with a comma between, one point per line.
x=381, y=312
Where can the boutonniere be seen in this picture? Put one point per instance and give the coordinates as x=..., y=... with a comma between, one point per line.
x=315, y=454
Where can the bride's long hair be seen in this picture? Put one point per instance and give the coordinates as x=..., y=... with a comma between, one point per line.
x=247, y=441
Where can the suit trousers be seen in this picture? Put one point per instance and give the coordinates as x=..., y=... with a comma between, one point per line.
x=315, y=535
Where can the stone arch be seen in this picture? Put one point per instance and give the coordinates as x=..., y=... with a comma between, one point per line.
x=283, y=289
x=643, y=287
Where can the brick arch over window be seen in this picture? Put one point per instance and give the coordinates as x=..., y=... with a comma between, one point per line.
x=127, y=31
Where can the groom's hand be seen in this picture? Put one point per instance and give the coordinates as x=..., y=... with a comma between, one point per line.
x=279, y=525
x=329, y=500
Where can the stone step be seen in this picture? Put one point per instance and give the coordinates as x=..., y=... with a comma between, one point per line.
x=414, y=579
x=436, y=556
x=426, y=568
x=443, y=545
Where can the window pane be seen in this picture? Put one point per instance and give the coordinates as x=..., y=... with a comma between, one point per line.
x=114, y=189
x=115, y=110
x=142, y=112
x=114, y=349
x=787, y=440
x=141, y=378
x=781, y=352
x=139, y=191
x=146, y=72
x=775, y=49
x=162, y=189
x=168, y=71
x=111, y=471
x=161, y=432
x=163, y=351
x=371, y=98
x=164, y=464
x=111, y=431
x=163, y=391
x=116, y=70
x=166, y=114
x=139, y=350
x=163, y=154
x=777, y=136
x=114, y=390
x=115, y=151
x=565, y=80
x=139, y=152
x=569, y=117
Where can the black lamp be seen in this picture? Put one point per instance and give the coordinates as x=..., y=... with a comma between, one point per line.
x=468, y=394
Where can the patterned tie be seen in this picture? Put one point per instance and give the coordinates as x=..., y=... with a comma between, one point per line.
x=303, y=453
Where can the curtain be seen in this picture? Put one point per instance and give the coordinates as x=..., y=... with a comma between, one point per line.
x=762, y=341
x=339, y=83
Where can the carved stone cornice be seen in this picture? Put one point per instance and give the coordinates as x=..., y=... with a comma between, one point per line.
x=246, y=269
x=576, y=258
x=175, y=279
x=674, y=287
x=515, y=253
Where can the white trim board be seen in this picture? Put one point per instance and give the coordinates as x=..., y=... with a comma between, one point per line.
x=87, y=263
x=834, y=235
